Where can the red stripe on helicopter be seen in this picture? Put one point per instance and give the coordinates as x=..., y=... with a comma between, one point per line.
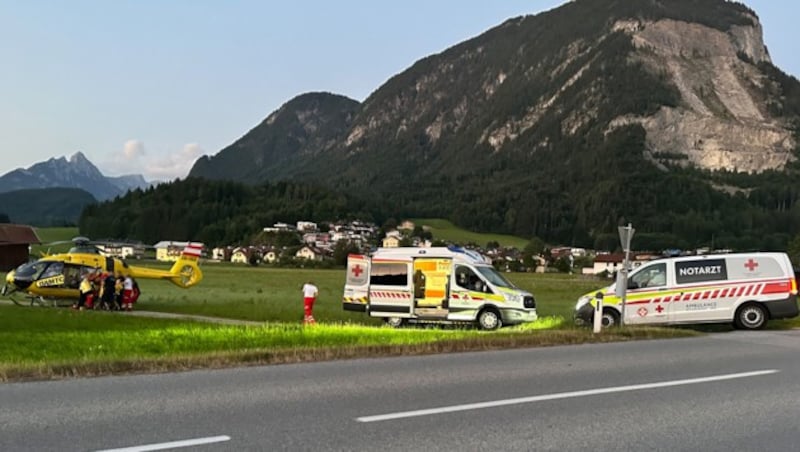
x=193, y=249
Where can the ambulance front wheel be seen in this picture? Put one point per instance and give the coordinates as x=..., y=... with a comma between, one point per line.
x=750, y=316
x=610, y=318
x=489, y=319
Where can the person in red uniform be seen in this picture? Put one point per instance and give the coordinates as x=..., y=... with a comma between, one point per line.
x=310, y=293
x=127, y=293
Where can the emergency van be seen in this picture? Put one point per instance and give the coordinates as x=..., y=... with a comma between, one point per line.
x=747, y=289
x=439, y=284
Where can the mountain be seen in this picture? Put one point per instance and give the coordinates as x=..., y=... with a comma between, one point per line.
x=77, y=172
x=665, y=113
x=284, y=141
x=128, y=182
x=45, y=207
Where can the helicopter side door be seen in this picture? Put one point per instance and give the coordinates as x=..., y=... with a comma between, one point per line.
x=72, y=275
x=60, y=280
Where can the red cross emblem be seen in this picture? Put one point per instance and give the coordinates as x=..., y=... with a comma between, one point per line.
x=660, y=309
x=751, y=265
x=642, y=312
x=357, y=270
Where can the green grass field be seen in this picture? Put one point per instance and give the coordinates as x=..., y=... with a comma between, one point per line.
x=273, y=294
x=53, y=343
x=445, y=230
x=50, y=235
x=41, y=342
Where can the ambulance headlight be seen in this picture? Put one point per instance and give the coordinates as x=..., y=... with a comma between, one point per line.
x=582, y=301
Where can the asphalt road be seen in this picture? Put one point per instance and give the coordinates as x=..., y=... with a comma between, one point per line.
x=727, y=391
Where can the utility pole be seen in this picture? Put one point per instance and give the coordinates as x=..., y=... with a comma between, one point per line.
x=625, y=236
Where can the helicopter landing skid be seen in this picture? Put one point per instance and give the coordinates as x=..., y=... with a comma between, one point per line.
x=33, y=301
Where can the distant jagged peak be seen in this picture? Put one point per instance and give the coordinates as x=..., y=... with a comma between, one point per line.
x=78, y=157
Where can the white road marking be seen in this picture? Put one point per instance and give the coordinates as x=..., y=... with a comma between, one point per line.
x=172, y=444
x=560, y=395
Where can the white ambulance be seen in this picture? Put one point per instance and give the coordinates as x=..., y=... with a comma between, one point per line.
x=747, y=289
x=436, y=284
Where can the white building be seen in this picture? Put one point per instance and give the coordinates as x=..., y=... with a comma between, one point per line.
x=279, y=227
x=306, y=226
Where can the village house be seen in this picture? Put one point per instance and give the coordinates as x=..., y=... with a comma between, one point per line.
x=391, y=241
x=309, y=253
x=122, y=250
x=306, y=226
x=241, y=255
x=168, y=250
x=15, y=242
x=221, y=253
x=279, y=227
x=612, y=262
x=271, y=256
x=406, y=225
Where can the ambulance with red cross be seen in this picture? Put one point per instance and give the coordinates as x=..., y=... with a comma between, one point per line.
x=747, y=289
x=438, y=285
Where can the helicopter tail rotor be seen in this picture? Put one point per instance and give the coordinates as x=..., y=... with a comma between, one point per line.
x=186, y=271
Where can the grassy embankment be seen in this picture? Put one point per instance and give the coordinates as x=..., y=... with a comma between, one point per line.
x=52, y=343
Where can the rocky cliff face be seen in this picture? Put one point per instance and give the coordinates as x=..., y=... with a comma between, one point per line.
x=723, y=120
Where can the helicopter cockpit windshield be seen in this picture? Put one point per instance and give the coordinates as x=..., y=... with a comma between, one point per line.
x=29, y=270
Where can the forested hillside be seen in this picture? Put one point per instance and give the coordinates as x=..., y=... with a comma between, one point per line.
x=212, y=212
x=667, y=114
x=45, y=207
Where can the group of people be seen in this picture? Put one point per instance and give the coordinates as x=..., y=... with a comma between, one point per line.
x=105, y=290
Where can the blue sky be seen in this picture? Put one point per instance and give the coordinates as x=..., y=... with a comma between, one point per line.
x=147, y=86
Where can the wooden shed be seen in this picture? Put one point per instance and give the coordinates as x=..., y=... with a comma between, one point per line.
x=15, y=240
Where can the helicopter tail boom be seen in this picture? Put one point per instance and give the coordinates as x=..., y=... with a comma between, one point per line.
x=185, y=272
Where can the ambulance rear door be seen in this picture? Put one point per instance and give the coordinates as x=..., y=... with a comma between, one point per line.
x=356, y=289
x=432, y=286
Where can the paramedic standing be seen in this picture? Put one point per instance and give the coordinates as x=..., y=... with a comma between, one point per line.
x=310, y=293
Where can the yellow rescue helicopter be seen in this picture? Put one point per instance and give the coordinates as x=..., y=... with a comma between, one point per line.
x=57, y=276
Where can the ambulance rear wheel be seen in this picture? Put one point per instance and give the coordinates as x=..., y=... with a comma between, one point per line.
x=395, y=322
x=750, y=316
x=610, y=318
x=489, y=319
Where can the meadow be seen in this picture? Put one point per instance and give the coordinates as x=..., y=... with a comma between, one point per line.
x=273, y=294
x=447, y=231
x=40, y=342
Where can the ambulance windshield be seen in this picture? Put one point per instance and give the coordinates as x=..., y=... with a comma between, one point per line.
x=494, y=277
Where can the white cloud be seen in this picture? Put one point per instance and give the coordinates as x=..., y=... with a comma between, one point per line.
x=135, y=158
x=133, y=149
x=175, y=165
x=127, y=160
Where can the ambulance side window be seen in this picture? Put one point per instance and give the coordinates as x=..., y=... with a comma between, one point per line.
x=650, y=276
x=467, y=279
